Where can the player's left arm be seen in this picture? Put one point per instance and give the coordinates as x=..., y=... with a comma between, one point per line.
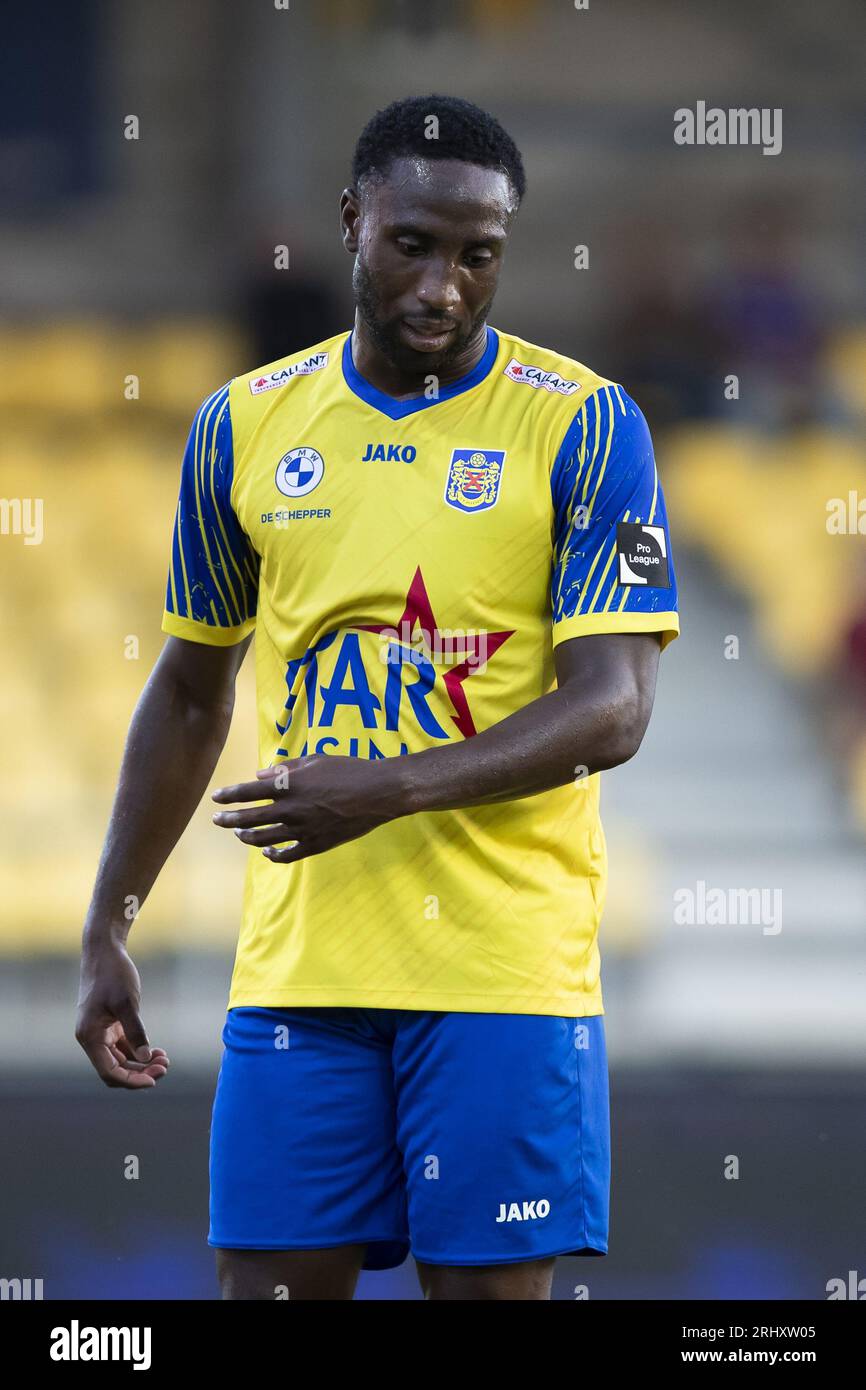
x=595, y=719
x=610, y=527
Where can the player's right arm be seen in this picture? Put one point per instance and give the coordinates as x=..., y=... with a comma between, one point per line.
x=177, y=733
x=175, y=738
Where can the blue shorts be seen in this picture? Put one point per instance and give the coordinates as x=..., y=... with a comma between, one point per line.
x=469, y=1139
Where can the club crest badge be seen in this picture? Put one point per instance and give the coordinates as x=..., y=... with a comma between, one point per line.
x=474, y=478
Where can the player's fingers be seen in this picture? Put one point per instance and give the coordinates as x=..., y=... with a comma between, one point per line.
x=255, y=815
x=290, y=765
x=123, y=1053
x=112, y=1072
x=157, y=1068
x=124, y=1071
x=128, y=1080
x=133, y=1028
x=268, y=835
x=128, y=1074
x=293, y=853
x=157, y=1054
x=242, y=791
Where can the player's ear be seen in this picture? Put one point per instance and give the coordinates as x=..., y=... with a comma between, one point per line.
x=350, y=216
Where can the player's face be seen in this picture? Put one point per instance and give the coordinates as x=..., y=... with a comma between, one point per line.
x=429, y=240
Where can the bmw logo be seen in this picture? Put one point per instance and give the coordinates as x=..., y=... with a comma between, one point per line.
x=299, y=471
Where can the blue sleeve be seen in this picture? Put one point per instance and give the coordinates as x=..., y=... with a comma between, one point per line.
x=612, y=564
x=212, y=585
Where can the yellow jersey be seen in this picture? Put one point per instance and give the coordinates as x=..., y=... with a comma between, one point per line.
x=408, y=568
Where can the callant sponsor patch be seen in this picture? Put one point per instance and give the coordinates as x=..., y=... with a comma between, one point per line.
x=534, y=376
x=267, y=381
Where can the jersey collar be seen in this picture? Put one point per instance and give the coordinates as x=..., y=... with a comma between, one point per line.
x=396, y=410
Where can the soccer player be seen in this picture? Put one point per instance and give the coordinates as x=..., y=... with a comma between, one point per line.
x=452, y=548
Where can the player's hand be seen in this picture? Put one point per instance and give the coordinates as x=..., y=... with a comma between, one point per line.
x=317, y=801
x=109, y=1026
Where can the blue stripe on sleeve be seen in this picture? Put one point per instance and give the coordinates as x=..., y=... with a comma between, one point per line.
x=604, y=473
x=213, y=577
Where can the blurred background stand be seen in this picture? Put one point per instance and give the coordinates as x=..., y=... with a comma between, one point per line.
x=140, y=276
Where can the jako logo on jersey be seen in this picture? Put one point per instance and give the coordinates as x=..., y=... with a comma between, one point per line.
x=526, y=1211
x=314, y=363
x=299, y=471
x=389, y=453
x=534, y=376
x=473, y=479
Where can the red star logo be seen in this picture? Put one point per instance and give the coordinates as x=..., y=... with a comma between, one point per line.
x=479, y=648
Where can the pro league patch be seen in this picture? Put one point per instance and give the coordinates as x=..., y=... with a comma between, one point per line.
x=642, y=553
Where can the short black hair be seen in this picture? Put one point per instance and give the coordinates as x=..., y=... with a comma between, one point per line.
x=464, y=132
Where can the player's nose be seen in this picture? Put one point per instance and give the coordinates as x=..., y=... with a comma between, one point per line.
x=437, y=289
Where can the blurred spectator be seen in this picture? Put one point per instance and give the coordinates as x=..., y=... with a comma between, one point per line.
x=765, y=322
x=659, y=345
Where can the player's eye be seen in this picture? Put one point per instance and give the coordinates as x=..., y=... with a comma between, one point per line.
x=478, y=259
x=411, y=248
